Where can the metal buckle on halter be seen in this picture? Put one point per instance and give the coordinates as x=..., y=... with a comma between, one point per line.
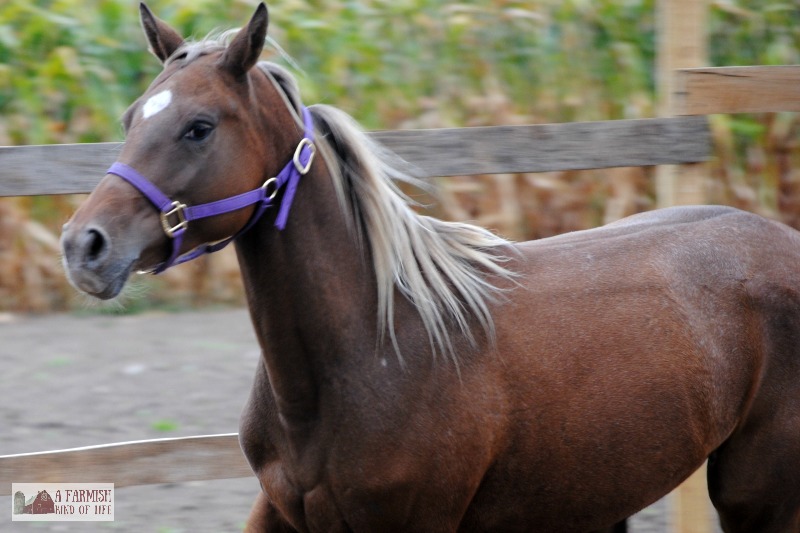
x=265, y=187
x=303, y=170
x=177, y=210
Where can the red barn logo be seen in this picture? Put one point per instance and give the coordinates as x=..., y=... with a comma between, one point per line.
x=62, y=502
x=42, y=503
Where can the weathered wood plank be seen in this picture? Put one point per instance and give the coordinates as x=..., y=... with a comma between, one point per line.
x=703, y=91
x=548, y=147
x=130, y=463
x=64, y=169
x=54, y=168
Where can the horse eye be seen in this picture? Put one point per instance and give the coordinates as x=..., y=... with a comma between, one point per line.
x=199, y=131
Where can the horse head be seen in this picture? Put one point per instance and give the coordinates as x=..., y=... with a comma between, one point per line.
x=199, y=136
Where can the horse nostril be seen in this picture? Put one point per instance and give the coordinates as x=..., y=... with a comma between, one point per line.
x=96, y=245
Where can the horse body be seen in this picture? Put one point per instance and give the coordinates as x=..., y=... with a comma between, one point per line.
x=636, y=348
x=613, y=363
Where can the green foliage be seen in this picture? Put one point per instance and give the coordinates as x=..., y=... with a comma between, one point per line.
x=755, y=32
x=389, y=61
x=69, y=68
x=752, y=148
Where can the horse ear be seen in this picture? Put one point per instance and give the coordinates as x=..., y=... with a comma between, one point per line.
x=162, y=38
x=243, y=53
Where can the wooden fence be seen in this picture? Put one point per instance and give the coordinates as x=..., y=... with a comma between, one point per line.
x=76, y=168
x=65, y=169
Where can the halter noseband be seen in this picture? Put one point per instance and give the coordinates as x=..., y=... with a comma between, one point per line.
x=175, y=216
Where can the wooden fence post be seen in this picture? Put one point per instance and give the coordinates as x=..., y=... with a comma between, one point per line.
x=681, y=44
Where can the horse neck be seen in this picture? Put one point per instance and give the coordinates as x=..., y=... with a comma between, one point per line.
x=312, y=297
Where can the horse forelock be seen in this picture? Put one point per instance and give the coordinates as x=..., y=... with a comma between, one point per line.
x=211, y=43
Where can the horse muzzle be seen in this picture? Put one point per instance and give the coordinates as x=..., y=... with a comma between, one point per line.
x=91, y=263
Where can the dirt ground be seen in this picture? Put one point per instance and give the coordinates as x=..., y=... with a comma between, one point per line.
x=79, y=380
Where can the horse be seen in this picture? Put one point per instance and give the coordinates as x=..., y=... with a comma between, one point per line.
x=424, y=375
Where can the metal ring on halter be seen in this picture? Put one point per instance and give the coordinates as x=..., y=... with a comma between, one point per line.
x=271, y=181
x=303, y=170
x=178, y=211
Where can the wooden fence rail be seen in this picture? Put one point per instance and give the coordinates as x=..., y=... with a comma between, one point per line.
x=76, y=168
x=705, y=91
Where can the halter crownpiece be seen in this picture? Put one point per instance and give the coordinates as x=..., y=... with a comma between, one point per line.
x=175, y=215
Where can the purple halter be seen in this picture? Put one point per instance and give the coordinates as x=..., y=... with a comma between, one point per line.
x=175, y=216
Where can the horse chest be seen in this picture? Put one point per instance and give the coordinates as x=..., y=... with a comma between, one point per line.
x=320, y=480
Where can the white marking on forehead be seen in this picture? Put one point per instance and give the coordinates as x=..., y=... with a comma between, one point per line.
x=157, y=103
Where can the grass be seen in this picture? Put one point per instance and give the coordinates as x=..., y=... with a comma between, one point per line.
x=164, y=425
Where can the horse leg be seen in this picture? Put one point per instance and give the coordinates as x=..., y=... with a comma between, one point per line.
x=265, y=518
x=754, y=477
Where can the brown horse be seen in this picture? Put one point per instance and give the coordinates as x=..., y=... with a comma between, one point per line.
x=420, y=375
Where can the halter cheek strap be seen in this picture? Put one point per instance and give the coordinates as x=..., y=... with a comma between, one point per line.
x=175, y=216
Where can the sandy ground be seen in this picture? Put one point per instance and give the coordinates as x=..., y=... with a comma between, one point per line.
x=69, y=380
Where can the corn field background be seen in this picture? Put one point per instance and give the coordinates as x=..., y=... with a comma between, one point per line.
x=69, y=68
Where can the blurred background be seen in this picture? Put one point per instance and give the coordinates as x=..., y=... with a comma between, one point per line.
x=69, y=68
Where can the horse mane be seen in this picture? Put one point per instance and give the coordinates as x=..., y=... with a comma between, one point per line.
x=444, y=268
